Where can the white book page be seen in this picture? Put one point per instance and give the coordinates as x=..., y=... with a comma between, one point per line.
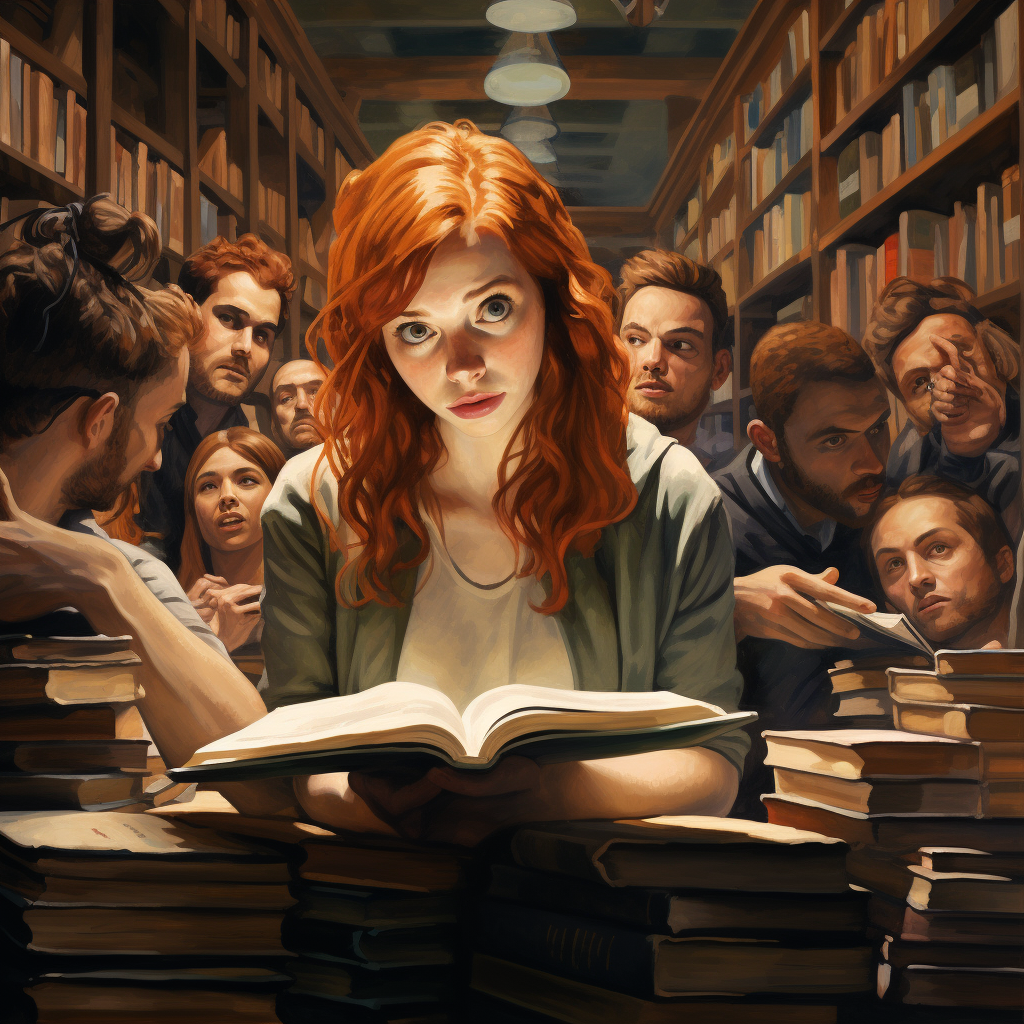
x=497, y=715
x=883, y=623
x=391, y=712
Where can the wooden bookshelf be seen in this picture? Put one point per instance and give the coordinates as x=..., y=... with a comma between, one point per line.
x=195, y=75
x=950, y=172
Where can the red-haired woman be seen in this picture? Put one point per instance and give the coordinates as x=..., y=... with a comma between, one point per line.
x=226, y=484
x=484, y=511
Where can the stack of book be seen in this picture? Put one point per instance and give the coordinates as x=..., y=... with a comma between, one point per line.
x=595, y=922
x=374, y=925
x=782, y=233
x=70, y=735
x=769, y=164
x=42, y=119
x=124, y=917
x=933, y=811
x=860, y=690
x=225, y=27
x=953, y=95
x=795, y=55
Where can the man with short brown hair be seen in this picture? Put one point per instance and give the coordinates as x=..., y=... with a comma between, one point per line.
x=797, y=498
x=944, y=559
x=956, y=374
x=243, y=289
x=673, y=321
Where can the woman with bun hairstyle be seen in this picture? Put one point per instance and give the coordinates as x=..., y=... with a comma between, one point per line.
x=484, y=510
x=226, y=484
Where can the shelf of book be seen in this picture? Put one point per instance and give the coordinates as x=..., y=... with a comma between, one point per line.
x=774, y=117
x=967, y=17
x=990, y=133
x=781, y=281
x=799, y=169
x=973, y=157
x=145, y=114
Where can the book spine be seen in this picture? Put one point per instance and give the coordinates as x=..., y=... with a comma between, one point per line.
x=567, y=946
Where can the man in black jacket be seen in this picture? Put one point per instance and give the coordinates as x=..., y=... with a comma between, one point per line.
x=797, y=497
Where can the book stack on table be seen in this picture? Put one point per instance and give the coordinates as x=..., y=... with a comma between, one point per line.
x=933, y=811
x=373, y=926
x=122, y=917
x=70, y=735
x=860, y=690
x=670, y=919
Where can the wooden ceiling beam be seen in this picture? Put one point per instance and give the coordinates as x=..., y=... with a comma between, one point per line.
x=407, y=79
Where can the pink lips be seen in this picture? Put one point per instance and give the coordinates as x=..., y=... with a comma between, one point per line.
x=475, y=406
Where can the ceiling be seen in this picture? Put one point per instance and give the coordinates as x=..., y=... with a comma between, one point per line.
x=401, y=63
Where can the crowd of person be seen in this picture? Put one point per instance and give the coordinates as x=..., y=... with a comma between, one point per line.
x=497, y=474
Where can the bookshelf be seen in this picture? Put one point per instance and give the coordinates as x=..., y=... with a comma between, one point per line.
x=194, y=111
x=800, y=277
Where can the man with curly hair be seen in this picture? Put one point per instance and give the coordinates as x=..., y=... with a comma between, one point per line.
x=243, y=289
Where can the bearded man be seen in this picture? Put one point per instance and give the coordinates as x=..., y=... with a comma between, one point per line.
x=673, y=322
x=242, y=289
x=797, y=498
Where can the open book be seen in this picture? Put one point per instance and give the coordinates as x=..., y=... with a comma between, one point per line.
x=407, y=724
x=882, y=629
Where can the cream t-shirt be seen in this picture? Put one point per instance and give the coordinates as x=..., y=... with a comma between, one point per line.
x=464, y=638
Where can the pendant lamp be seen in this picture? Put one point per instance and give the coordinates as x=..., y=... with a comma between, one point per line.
x=527, y=72
x=529, y=124
x=531, y=15
x=541, y=152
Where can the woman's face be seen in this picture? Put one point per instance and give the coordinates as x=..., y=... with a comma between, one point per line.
x=230, y=491
x=470, y=344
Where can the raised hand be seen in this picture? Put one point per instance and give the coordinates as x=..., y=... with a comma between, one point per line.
x=779, y=603
x=970, y=411
x=236, y=612
x=202, y=594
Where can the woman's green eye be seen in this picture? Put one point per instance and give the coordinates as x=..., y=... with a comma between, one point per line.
x=414, y=333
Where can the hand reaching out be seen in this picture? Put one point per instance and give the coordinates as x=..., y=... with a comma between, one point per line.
x=778, y=603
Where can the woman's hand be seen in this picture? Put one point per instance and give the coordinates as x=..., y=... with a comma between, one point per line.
x=236, y=612
x=202, y=595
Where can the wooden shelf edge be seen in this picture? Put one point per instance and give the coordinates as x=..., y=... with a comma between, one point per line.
x=1003, y=108
x=1003, y=295
x=273, y=115
x=41, y=58
x=144, y=133
x=687, y=238
x=783, y=270
x=222, y=195
x=726, y=184
x=895, y=78
x=310, y=158
x=840, y=24
x=800, y=80
x=275, y=236
x=208, y=40
x=800, y=167
x=308, y=270
x=725, y=252
x=37, y=168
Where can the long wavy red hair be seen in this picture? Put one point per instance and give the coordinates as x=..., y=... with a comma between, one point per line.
x=563, y=477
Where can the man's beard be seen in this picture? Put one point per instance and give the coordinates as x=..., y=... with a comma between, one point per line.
x=201, y=383
x=666, y=417
x=99, y=483
x=832, y=503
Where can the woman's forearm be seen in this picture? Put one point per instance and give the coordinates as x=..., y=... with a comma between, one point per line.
x=690, y=781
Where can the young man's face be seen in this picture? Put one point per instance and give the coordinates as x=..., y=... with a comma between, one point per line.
x=834, y=448
x=669, y=337
x=295, y=387
x=917, y=358
x=134, y=445
x=241, y=323
x=933, y=571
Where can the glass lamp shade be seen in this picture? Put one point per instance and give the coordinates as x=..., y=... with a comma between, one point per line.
x=529, y=124
x=541, y=152
x=531, y=15
x=527, y=72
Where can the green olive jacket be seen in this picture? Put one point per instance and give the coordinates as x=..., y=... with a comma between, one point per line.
x=650, y=610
